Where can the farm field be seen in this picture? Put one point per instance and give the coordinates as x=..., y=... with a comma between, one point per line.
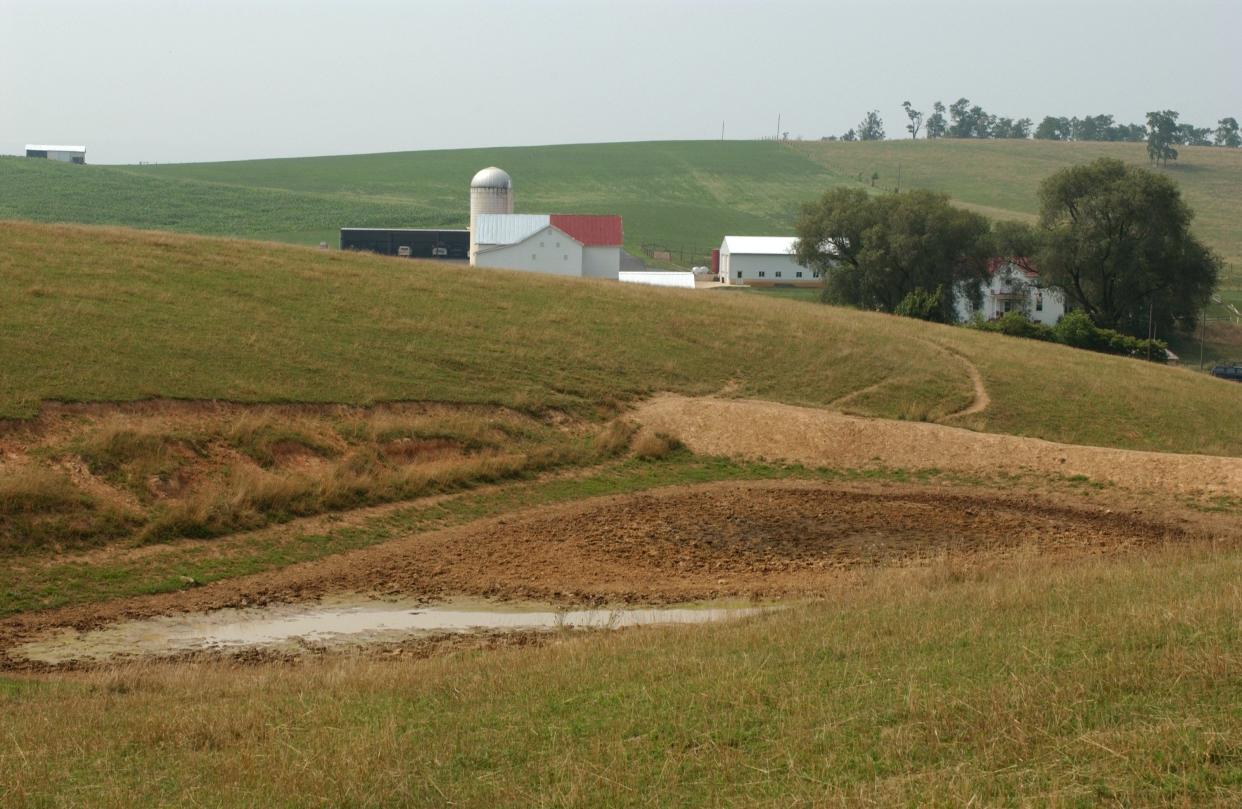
x=677, y=193
x=989, y=581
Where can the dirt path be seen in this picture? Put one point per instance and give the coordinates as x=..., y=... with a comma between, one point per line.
x=982, y=400
x=766, y=430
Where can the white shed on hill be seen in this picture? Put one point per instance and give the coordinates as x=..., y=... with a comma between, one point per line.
x=65, y=154
x=763, y=261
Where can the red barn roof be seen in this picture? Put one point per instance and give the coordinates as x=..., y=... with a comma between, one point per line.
x=592, y=231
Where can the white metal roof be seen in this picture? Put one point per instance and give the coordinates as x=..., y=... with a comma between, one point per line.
x=657, y=278
x=508, y=228
x=759, y=245
x=44, y=148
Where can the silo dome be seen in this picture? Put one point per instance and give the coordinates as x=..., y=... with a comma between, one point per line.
x=491, y=177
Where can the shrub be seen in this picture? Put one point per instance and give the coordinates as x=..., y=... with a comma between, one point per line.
x=1076, y=330
x=923, y=305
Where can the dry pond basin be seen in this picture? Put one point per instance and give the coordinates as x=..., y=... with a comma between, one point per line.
x=339, y=623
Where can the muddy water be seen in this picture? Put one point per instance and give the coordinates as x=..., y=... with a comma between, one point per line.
x=343, y=623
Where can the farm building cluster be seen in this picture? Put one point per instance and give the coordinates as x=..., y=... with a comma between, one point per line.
x=590, y=246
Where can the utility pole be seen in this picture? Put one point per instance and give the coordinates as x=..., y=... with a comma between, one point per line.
x=778, y=127
x=1202, y=334
x=722, y=123
x=1151, y=311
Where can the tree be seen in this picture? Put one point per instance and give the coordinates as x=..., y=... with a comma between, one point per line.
x=1009, y=128
x=871, y=128
x=875, y=250
x=1227, y=133
x=916, y=119
x=1162, y=133
x=850, y=136
x=1053, y=129
x=936, y=125
x=1117, y=239
x=968, y=121
x=1191, y=135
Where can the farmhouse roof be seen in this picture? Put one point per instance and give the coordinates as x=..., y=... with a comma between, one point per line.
x=38, y=147
x=591, y=230
x=760, y=245
x=1022, y=264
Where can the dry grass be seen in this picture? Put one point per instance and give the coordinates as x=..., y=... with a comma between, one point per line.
x=1108, y=682
x=205, y=319
x=202, y=471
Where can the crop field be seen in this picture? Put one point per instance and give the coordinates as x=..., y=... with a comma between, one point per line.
x=952, y=567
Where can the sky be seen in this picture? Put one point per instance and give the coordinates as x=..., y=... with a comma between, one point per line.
x=175, y=80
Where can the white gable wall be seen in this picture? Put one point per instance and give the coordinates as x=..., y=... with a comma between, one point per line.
x=601, y=262
x=548, y=250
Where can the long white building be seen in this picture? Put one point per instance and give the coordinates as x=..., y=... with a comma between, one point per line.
x=763, y=261
x=65, y=154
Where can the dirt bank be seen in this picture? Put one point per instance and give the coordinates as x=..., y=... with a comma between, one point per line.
x=756, y=429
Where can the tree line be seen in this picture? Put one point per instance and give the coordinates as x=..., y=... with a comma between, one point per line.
x=961, y=119
x=1115, y=238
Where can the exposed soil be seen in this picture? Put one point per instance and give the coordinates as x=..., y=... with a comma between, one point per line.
x=758, y=540
x=822, y=438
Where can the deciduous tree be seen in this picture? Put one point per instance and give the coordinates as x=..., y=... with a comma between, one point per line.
x=1227, y=133
x=872, y=127
x=875, y=250
x=916, y=119
x=1117, y=239
x=1162, y=134
x=936, y=124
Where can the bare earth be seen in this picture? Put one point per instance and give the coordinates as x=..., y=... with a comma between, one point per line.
x=771, y=431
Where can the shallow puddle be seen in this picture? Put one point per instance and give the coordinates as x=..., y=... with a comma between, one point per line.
x=338, y=624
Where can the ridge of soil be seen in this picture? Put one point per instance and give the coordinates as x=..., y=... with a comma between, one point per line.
x=822, y=438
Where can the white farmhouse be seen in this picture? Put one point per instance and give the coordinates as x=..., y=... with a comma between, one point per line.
x=65, y=154
x=583, y=246
x=1012, y=287
x=763, y=261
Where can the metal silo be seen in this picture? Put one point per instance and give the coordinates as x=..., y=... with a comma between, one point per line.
x=491, y=191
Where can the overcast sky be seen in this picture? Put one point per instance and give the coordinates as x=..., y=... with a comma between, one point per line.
x=175, y=80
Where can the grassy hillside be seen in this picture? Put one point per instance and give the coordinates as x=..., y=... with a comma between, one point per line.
x=679, y=194
x=1000, y=178
x=1105, y=682
x=96, y=314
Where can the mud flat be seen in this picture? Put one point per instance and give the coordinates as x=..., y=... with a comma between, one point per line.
x=337, y=623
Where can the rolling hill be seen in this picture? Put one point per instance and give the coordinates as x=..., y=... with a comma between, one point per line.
x=114, y=315
x=683, y=194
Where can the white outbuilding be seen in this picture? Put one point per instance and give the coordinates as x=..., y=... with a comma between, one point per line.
x=65, y=154
x=764, y=261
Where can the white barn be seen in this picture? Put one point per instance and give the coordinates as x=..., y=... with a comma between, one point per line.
x=65, y=154
x=1013, y=288
x=578, y=245
x=763, y=261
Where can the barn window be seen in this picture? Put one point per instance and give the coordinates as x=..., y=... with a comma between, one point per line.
x=533, y=257
x=799, y=273
x=761, y=273
x=739, y=273
x=778, y=273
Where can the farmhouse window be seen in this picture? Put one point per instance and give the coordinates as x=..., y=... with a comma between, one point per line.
x=761, y=273
x=778, y=273
x=799, y=274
